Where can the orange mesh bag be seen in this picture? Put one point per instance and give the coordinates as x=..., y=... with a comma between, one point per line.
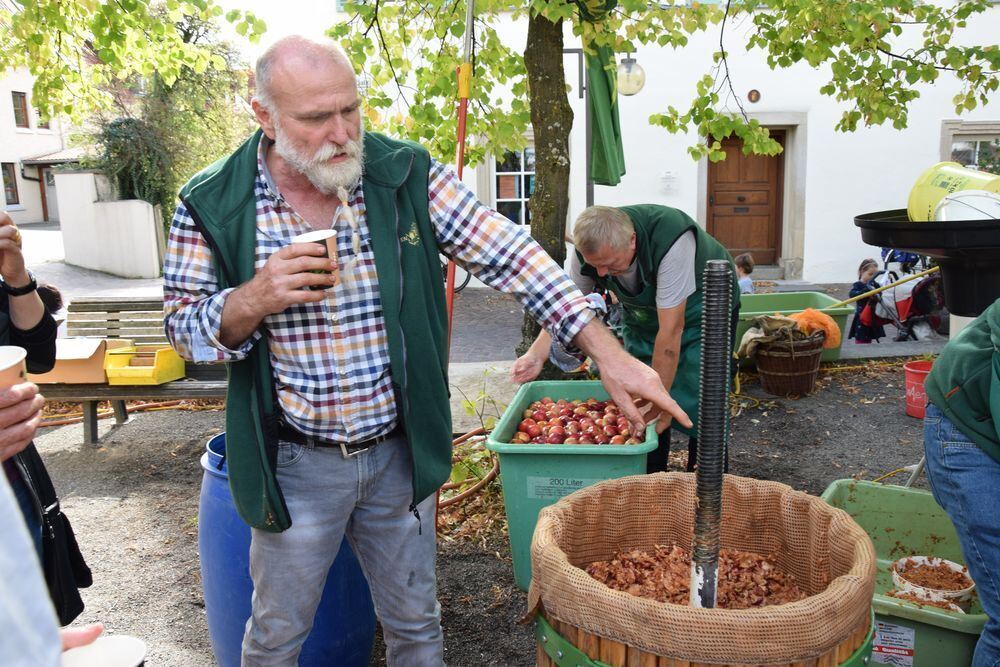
x=810, y=320
x=830, y=556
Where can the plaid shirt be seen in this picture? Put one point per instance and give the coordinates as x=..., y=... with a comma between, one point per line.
x=331, y=358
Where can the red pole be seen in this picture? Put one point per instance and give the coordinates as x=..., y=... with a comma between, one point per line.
x=464, y=88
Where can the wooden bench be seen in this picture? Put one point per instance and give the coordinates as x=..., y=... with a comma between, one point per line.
x=139, y=319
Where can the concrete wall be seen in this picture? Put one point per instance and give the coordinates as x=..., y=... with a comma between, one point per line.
x=830, y=176
x=116, y=237
x=18, y=143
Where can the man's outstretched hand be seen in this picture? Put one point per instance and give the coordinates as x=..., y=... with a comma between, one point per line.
x=632, y=385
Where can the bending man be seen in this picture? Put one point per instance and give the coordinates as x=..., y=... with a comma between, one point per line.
x=651, y=258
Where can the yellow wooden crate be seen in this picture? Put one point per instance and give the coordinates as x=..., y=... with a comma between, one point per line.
x=143, y=364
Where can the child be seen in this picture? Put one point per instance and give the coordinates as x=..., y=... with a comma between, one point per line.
x=864, y=328
x=744, y=267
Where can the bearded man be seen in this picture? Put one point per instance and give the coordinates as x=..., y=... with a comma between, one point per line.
x=338, y=418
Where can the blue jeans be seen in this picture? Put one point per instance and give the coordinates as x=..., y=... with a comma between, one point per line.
x=965, y=481
x=367, y=497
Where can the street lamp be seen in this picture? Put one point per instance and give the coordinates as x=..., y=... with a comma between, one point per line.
x=631, y=76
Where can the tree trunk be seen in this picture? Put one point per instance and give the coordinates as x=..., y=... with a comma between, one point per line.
x=551, y=120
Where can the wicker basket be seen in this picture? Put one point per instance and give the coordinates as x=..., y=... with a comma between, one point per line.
x=790, y=367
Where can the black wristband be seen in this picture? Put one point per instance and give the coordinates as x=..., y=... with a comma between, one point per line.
x=20, y=291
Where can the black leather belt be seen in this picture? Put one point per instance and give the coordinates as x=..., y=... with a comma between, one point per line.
x=290, y=434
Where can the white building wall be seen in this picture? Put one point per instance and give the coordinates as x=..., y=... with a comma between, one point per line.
x=116, y=237
x=830, y=176
x=17, y=143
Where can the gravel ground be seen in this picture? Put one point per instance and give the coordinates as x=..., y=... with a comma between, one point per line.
x=133, y=503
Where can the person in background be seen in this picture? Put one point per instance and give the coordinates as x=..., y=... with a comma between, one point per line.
x=864, y=328
x=25, y=322
x=651, y=258
x=31, y=636
x=744, y=267
x=338, y=418
x=962, y=449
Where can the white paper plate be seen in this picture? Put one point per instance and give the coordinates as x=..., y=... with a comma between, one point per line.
x=107, y=651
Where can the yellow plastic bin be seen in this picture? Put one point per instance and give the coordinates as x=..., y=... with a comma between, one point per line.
x=143, y=364
x=943, y=179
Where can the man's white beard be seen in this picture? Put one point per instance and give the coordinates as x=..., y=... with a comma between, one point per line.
x=326, y=177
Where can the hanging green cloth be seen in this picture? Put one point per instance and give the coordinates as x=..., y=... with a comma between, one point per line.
x=607, y=157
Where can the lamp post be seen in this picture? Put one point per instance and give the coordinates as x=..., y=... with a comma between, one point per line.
x=631, y=79
x=631, y=76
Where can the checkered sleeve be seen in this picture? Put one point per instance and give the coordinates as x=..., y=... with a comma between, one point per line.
x=192, y=300
x=504, y=256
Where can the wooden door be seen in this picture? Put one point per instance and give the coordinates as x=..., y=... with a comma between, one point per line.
x=744, y=201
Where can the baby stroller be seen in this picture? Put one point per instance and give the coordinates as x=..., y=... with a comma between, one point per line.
x=916, y=308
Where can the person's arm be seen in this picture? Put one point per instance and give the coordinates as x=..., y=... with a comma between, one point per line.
x=529, y=365
x=506, y=258
x=667, y=345
x=32, y=327
x=207, y=324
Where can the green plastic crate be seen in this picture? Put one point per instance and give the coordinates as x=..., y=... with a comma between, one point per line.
x=753, y=306
x=906, y=522
x=535, y=476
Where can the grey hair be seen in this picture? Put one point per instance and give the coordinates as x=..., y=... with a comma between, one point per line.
x=602, y=226
x=314, y=50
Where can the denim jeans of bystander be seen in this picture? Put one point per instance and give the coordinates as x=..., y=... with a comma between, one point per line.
x=367, y=497
x=965, y=481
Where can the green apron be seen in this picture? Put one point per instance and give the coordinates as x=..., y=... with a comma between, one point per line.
x=657, y=229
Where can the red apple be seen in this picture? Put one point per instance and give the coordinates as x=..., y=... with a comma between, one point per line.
x=610, y=431
x=539, y=415
x=571, y=441
x=525, y=423
x=554, y=439
x=587, y=440
x=618, y=440
x=573, y=427
x=534, y=430
x=522, y=438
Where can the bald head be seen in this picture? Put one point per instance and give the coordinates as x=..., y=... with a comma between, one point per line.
x=294, y=56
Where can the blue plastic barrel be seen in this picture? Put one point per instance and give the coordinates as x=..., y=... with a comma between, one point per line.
x=344, y=627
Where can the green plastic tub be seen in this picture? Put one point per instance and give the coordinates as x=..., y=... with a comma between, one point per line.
x=535, y=476
x=755, y=305
x=906, y=522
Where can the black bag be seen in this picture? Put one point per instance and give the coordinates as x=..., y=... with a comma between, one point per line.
x=65, y=570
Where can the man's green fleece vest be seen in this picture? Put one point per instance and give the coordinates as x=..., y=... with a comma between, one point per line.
x=657, y=228
x=965, y=381
x=222, y=203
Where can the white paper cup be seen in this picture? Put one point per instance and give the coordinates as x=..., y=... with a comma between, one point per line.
x=327, y=238
x=12, y=369
x=107, y=651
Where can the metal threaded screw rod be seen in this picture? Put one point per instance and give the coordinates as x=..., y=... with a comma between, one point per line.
x=713, y=429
